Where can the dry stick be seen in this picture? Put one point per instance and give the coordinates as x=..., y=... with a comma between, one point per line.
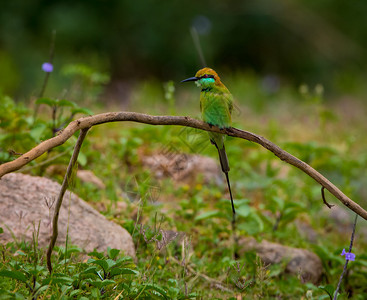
x=347, y=260
x=323, y=198
x=90, y=121
x=73, y=159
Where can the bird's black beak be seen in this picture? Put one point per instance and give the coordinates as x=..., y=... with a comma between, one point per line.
x=190, y=79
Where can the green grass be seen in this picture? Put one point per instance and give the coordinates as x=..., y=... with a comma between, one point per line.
x=200, y=266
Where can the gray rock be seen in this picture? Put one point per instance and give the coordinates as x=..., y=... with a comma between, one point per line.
x=27, y=200
x=300, y=262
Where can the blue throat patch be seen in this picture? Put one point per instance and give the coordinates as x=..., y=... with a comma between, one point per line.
x=204, y=82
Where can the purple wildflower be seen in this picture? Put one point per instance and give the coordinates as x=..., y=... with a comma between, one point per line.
x=348, y=255
x=47, y=67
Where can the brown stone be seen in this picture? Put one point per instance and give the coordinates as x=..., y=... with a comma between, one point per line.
x=27, y=200
x=300, y=262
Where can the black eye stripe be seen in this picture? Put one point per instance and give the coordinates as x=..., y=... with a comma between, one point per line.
x=207, y=76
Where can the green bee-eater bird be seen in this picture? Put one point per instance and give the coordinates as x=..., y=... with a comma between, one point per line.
x=216, y=105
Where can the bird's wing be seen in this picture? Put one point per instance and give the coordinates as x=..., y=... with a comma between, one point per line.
x=229, y=99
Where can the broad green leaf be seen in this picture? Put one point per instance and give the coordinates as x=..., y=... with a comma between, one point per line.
x=81, y=110
x=260, y=222
x=100, y=262
x=252, y=224
x=112, y=253
x=47, y=101
x=4, y=136
x=279, y=201
x=37, y=270
x=150, y=286
x=100, y=284
x=89, y=270
x=57, y=280
x=122, y=271
x=82, y=159
x=75, y=292
x=244, y=210
x=239, y=202
x=65, y=103
x=173, y=292
x=123, y=261
x=14, y=274
x=361, y=262
x=37, y=131
x=71, y=250
x=172, y=282
x=329, y=289
x=207, y=215
x=97, y=254
x=110, y=263
x=40, y=290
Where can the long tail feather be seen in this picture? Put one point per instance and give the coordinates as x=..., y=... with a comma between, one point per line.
x=223, y=159
x=225, y=168
x=230, y=193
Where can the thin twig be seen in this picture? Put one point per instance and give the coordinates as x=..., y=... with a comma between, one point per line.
x=90, y=121
x=323, y=198
x=347, y=260
x=73, y=159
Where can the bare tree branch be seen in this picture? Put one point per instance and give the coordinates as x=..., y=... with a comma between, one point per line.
x=65, y=183
x=90, y=121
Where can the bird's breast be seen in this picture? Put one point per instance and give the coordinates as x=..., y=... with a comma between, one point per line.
x=215, y=110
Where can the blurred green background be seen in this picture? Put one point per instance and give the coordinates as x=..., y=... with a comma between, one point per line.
x=283, y=41
x=297, y=71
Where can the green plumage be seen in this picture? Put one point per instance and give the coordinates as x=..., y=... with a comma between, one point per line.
x=216, y=105
x=216, y=108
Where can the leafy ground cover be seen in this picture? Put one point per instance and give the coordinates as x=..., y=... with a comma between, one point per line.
x=271, y=197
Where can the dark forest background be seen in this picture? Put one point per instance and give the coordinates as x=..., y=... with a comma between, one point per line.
x=297, y=41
